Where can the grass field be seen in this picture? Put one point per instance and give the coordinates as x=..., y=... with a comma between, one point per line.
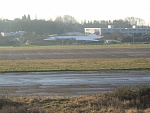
x=72, y=63
x=76, y=47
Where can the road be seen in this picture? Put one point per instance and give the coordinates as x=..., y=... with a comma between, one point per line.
x=68, y=84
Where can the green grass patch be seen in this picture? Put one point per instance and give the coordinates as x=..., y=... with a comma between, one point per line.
x=61, y=47
x=74, y=64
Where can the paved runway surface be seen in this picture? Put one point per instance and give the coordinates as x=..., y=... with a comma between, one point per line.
x=75, y=53
x=67, y=84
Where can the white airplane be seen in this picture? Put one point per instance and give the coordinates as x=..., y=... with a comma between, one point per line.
x=91, y=37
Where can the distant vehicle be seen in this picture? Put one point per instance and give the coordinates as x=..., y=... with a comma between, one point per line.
x=91, y=37
x=146, y=43
x=112, y=42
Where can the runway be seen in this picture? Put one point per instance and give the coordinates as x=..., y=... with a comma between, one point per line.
x=69, y=84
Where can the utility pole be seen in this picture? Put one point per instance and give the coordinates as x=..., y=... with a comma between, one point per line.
x=133, y=37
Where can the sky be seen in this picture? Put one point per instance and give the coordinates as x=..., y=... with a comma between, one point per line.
x=80, y=9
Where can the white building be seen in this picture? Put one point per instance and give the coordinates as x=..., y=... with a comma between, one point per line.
x=12, y=34
x=125, y=31
x=92, y=30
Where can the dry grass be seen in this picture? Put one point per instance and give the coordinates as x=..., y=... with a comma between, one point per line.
x=118, y=101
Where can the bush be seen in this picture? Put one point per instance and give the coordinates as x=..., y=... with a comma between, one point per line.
x=138, y=97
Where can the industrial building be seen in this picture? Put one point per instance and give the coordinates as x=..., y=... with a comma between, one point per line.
x=124, y=31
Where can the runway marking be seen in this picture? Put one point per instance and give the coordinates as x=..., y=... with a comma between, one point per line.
x=26, y=57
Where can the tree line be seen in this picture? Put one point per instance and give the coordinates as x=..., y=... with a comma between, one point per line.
x=62, y=25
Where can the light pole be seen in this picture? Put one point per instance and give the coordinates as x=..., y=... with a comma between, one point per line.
x=148, y=37
x=133, y=37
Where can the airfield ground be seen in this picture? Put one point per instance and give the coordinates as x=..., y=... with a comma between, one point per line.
x=48, y=53
x=52, y=53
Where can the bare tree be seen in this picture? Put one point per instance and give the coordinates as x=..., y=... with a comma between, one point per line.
x=135, y=21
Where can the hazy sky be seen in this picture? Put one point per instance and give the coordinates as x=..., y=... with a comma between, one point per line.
x=80, y=9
